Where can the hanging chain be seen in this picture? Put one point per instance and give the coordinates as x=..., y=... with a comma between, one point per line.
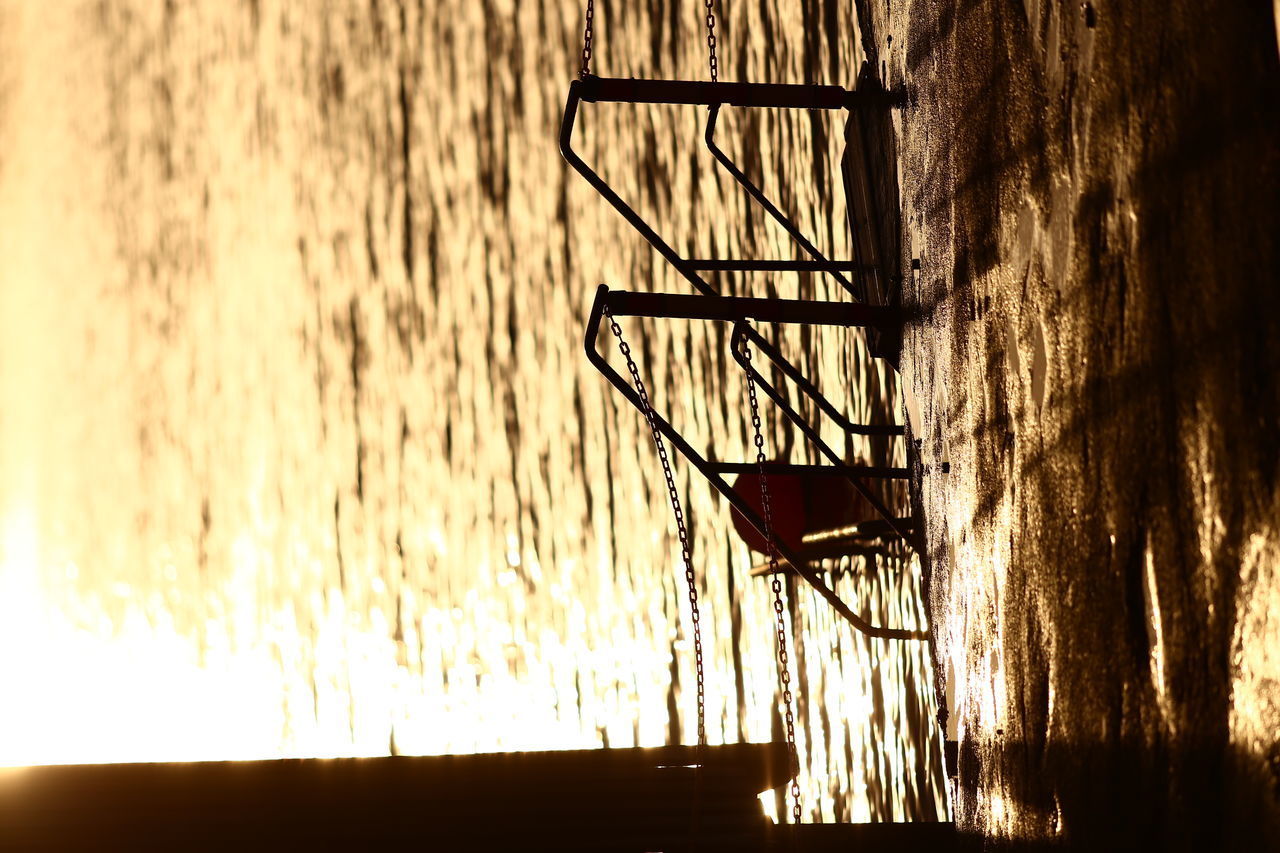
x=587, y=35
x=784, y=674
x=685, y=551
x=711, y=40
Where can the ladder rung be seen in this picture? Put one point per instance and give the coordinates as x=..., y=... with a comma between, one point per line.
x=686, y=306
x=876, y=471
x=716, y=265
x=779, y=95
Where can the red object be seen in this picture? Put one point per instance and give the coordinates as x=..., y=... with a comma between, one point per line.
x=800, y=505
x=786, y=500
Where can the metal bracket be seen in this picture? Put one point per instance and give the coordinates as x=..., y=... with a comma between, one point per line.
x=881, y=321
x=593, y=89
x=736, y=345
x=738, y=310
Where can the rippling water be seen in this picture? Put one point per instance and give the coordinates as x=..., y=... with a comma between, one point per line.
x=301, y=455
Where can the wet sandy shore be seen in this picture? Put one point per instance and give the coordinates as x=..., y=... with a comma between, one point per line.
x=1091, y=191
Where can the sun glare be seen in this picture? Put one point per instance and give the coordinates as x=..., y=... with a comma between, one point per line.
x=94, y=688
x=135, y=692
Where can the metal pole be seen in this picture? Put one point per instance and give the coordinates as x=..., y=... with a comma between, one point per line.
x=690, y=306
x=776, y=95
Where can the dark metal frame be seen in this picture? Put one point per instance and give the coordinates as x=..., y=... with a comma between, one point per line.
x=819, y=262
x=880, y=321
x=593, y=89
x=737, y=345
x=738, y=310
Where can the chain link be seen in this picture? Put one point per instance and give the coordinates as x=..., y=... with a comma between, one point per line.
x=587, y=35
x=784, y=673
x=686, y=551
x=711, y=40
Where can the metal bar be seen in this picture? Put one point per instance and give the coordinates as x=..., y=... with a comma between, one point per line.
x=850, y=533
x=777, y=95
x=690, y=306
x=761, y=199
x=810, y=433
x=718, y=483
x=764, y=570
x=771, y=352
x=878, y=472
x=718, y=265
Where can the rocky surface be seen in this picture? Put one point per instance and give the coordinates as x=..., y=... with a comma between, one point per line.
x=1091, y=191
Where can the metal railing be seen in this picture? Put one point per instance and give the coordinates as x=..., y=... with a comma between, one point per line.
x=738, y=310
x=881, y=322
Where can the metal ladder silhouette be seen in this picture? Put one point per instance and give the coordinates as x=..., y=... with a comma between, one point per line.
x=866, y=278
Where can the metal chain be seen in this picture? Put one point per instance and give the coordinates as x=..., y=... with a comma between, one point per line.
x=784, y=674
x=681, y=528
x=711, y=40
x=587, y=35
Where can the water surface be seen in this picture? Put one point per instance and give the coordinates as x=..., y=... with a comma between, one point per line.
x=300, y=453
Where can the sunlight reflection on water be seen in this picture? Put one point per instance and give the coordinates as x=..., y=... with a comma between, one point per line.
x=301, y=455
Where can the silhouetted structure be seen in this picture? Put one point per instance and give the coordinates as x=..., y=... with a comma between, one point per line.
x=590, y=800
x=881, y=321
